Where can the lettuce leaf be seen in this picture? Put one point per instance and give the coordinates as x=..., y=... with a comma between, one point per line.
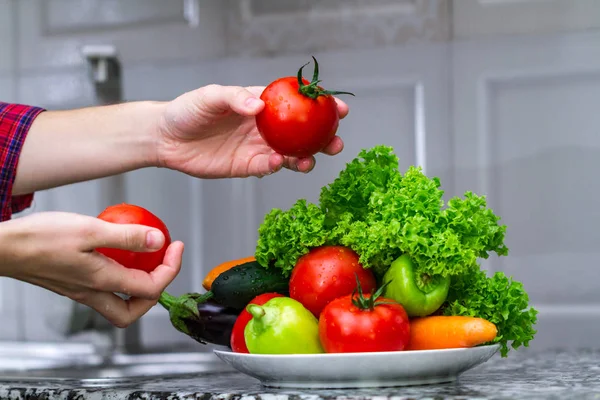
x=285, y=236
x=379, y=213
x=351, y=192
x=497, y=299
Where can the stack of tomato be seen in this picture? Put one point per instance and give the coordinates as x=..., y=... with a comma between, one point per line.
x=333, y=306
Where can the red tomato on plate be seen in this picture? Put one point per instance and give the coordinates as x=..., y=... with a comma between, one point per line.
x=326, y=273
x=132, y=214
x=238, y=341
x=373, y=324
x=300, y=118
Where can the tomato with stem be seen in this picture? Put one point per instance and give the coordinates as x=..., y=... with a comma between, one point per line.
x=364, y=323
x=300, y=118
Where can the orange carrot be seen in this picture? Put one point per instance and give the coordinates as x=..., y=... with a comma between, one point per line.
x=447, y=332
x=219, y=269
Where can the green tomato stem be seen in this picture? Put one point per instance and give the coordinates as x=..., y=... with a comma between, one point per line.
x=367, y=303
x=312, y=90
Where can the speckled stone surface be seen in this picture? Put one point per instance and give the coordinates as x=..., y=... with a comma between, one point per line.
x=523, y=375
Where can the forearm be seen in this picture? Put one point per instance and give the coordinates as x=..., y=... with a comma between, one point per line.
x=10, y=249
x=64, y=147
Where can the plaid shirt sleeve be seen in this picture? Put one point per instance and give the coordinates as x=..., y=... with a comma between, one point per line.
x=15, y=121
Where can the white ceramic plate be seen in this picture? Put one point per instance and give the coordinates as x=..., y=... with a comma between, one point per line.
x=354, y=370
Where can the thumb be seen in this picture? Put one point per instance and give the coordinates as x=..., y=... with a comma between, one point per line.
x=218, y=99
x=131, y=237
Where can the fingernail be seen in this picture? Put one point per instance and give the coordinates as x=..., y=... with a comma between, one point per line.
x=154, y=240
x=252, y=102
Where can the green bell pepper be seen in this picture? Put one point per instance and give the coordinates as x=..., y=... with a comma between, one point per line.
x=419, y=295
x=282, y=326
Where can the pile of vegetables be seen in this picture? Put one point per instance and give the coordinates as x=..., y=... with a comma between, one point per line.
x=380, y=263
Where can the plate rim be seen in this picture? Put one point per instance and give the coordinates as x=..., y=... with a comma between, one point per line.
x=356, y=354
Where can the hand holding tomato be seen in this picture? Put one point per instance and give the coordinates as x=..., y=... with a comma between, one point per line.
x=56, y=251
x=132, y=214
x=212, y=132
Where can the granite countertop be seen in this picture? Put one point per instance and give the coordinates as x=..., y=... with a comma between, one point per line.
x=523, y=375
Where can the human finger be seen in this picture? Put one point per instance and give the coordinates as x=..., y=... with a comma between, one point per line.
x=276, y=161
x=119, y=312
x=342, y=107
x=264, y=164
x=102, y=234
x=218, y=99
x=256, y=90
x=334, y=147
x=305, y=164
x=113, y=277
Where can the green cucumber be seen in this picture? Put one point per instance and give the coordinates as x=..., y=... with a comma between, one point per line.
x=237, y=286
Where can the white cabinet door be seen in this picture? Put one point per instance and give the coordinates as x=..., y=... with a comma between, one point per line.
x=476, y=18
x=51, y=32
x=526, y=134
x=276, y=27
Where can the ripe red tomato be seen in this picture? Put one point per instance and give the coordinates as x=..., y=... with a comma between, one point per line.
x=131, y=214
x=238, y=342
x=351, y=325
x=326, y=273
x=300, y=118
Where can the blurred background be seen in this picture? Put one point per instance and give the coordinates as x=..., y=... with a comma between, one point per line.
x=499, y=97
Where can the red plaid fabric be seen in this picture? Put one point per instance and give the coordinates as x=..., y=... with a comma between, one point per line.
x=15, y=121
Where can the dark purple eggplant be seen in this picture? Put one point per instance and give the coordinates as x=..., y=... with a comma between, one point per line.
x=200, y=318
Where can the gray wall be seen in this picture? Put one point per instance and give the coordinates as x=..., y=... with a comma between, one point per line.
x=495, y=97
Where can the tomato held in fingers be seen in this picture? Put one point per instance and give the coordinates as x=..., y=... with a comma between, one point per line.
x=326, y=273
x=300, y=118
x=131, y=214
x=238, y=341
x=364, y=323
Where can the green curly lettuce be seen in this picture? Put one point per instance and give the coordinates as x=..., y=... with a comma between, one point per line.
x=381, y=214
x=497, y=299
x=351, y=192
x=285, y=236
